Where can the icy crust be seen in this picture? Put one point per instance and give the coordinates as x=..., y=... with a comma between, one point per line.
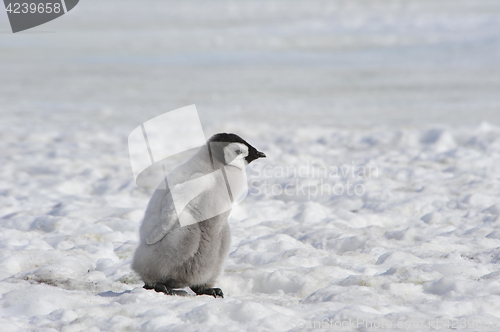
x=419, y=245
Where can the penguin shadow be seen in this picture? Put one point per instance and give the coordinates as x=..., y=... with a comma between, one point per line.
x=113, y=294
x=187, y=292
x=176, y=292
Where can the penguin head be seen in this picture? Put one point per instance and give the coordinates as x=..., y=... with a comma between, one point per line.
x=230, y=149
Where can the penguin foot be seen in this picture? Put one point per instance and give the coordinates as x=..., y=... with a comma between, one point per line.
x=208, y=291
x=179, y=292
x=160, y=288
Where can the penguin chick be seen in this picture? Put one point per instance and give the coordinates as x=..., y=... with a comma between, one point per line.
x=170, y=256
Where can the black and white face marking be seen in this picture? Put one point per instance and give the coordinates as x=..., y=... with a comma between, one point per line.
x=233, y=150
x=235, y=154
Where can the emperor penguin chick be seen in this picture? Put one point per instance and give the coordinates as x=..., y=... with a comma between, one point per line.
x=184, y=236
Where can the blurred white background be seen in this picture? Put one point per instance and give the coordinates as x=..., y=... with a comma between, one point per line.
x=344, y=63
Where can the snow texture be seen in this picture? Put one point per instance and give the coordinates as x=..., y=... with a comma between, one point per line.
x=421, y=242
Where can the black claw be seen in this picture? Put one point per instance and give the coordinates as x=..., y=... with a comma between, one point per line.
x=209, y=291
x=146, y=286
x=160, y=288
x=217, y=292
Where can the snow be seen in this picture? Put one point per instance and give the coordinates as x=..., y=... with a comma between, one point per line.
x=377, y=207
x=421, y=243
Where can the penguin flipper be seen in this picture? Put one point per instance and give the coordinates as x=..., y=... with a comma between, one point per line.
x=176, y=198
x=158, y=233
x=168, y=219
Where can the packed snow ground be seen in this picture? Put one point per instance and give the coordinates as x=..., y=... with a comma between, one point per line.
x=415, y=240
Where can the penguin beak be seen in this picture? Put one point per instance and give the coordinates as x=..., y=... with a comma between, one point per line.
x=255, y=155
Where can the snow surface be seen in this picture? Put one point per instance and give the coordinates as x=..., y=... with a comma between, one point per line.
x=421, y=243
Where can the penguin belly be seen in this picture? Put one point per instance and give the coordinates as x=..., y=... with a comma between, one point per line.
x=188, y=256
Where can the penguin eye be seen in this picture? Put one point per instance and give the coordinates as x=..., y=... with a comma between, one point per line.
x=238, y=151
